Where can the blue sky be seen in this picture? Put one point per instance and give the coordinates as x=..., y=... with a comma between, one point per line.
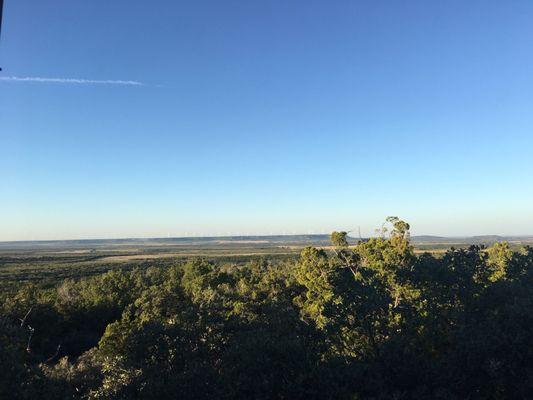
x=259, y=117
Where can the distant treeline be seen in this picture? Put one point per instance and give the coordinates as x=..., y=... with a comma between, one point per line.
x=272, y=240
x=195, y=241
x=371, y=321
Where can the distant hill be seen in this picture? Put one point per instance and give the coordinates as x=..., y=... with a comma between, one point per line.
x=256, y=240
x=276, y=240
x=430, y=239
x=479, y=239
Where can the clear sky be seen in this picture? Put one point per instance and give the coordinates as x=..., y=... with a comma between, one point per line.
x=259, y=117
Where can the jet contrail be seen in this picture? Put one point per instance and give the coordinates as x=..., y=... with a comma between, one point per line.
x=69, y=80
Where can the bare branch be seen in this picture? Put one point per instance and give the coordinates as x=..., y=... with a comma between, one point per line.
x=55, y=354
x=28, y=346
x=23, y=320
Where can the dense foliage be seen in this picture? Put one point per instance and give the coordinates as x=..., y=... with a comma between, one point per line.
x=371, y=321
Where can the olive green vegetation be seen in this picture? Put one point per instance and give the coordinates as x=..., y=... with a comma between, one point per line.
x=370, y=321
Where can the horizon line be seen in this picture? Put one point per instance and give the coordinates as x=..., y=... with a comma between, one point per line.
x=527, y=236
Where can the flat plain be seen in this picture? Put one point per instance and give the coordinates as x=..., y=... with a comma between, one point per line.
x=46, y=262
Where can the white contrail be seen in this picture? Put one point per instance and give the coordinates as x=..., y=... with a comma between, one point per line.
x=69, y=80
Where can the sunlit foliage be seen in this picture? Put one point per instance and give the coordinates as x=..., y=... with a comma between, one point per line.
x=365, y=320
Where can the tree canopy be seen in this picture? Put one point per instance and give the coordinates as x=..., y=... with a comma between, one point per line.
x=365, y=320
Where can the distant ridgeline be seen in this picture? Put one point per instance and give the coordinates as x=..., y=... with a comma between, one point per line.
x=310, y=239
x=272, y=239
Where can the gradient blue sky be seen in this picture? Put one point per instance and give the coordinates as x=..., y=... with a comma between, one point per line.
x=259, y=117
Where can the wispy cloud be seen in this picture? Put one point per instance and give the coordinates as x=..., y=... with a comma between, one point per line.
x=72, y=81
